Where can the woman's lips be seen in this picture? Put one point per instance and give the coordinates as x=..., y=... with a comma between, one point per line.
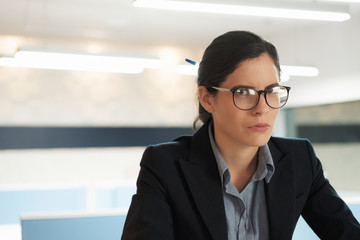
x=260, y=127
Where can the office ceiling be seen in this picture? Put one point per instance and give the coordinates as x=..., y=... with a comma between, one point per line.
x=118, y=20
x=115, y=26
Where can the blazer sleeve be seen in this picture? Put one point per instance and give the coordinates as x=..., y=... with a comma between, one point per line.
x=325, y=212
x=149, y=215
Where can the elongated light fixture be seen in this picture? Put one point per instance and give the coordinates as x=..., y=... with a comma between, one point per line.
x=79, y=62
x=293, y=13
x=342, y=1
x=286, y=71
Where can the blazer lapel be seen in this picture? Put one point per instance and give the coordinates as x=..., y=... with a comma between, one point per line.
x=280, y=194
x=202, y=176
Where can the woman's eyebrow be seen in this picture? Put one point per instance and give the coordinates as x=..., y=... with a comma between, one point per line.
x=272, y=85
x=245, y=86
x=242, y=86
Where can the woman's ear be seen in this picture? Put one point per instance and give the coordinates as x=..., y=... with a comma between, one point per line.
x=206, y=99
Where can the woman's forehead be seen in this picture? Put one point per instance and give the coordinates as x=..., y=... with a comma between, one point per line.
x=254, y=71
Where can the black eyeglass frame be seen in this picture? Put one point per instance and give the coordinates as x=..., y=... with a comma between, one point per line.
x=259, y=92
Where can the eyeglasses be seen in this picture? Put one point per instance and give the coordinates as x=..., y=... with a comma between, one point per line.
x=246, y=98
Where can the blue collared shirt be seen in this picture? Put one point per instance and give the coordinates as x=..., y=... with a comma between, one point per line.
x=246, y=212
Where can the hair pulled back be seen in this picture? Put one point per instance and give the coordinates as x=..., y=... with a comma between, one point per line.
x=222, y=57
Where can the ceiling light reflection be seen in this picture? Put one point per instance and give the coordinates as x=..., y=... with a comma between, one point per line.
x=296, y=12
x=80, y=62
x=286, y=71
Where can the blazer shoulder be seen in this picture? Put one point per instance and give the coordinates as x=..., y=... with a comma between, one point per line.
x=178, y=148
x=297, y=147
x=289, y=140
x=290, y=143
x=179, y=144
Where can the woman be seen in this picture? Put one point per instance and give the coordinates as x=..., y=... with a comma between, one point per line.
x=231, y=179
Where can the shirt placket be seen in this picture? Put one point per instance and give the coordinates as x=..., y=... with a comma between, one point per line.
x=244, y=226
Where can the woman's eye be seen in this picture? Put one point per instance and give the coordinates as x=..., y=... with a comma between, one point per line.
x=242, y=91
x=274, y=90
x=271, y=90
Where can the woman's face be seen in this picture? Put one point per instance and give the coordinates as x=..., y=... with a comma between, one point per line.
x=251, y=128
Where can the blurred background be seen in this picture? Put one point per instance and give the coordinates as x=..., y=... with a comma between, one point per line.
x=86, y=85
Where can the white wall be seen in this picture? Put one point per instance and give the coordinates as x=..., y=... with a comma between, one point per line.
x=52, y=97
x=89, y=166
x=341, y=164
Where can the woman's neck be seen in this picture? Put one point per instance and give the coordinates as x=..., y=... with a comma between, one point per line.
x=238, y=157
x=241, y=160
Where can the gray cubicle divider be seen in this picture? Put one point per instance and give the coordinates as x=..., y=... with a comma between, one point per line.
x=73, y=226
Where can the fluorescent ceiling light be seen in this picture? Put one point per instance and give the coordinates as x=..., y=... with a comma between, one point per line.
x=294, y=13
x=79, y=62
x=343, y=1
x=286, y=71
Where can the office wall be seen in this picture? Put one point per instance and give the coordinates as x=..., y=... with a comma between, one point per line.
x=334, y=130
x=43, y=98
x=341, y=162
x=86, y=166
x=52, y=97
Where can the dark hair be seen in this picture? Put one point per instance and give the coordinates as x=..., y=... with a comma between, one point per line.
x=223, y=56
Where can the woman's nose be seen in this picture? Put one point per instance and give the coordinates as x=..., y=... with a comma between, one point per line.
x=262, y=107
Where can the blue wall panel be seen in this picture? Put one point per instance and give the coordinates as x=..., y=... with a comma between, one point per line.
x=13, y=203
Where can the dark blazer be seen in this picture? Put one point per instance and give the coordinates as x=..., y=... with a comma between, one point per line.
x=179, y=193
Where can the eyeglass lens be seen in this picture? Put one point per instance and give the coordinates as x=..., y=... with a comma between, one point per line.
x=247, y=98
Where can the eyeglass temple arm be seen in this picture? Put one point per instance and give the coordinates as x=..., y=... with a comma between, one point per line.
x=222, y=89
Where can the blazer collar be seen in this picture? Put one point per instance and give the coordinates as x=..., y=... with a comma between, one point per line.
x=203, y=179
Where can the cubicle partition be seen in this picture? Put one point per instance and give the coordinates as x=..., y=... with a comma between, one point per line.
x=73, y=226
x=66, y=212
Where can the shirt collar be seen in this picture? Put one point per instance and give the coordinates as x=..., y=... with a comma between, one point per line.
x=265, y=168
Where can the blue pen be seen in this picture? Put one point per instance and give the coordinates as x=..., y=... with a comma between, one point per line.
x=190, y=61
